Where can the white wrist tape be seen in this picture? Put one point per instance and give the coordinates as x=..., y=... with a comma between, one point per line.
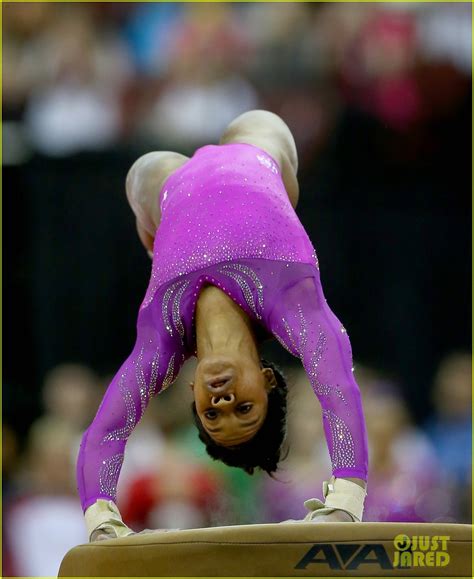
x=345, y=495
x=104, y=515
x=339, y=494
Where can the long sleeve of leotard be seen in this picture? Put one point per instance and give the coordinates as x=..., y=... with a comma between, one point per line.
x=304, y=324
x=151, y=367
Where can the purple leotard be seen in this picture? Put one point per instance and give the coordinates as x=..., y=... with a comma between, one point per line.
x=227, y=221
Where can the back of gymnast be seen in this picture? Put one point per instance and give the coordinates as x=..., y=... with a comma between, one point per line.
x=232, y=265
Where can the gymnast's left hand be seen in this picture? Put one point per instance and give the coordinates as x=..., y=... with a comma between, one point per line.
x=336, y=516
x=103, y=521
x=105, y=534
x=324, y=516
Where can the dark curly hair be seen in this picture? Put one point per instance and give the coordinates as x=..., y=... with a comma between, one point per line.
x=264, y=449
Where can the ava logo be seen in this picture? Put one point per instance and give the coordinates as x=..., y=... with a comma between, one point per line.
x=345, y=556
x=421, y=551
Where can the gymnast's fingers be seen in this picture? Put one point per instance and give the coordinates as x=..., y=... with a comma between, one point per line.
x=102, y=535
x=150, y=531
x=336, y=516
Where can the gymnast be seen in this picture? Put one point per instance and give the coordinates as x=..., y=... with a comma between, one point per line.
x=232, y=265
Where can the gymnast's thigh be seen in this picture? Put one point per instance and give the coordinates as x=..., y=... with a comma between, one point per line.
x=271, y=134
x=144, y=182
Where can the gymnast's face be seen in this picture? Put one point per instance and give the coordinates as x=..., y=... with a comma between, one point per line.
x=231, y=397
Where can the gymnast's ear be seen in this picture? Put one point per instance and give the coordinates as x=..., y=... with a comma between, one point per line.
x=270, y=379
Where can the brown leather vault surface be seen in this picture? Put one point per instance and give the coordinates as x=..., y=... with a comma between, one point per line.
x=281, y=550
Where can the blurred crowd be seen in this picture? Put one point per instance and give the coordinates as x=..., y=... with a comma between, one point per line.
x=417, y=473
x=80, y=76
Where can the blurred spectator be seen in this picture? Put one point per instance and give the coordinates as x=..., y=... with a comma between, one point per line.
x=150, y=32
x=445, y=33
x=81, y=77
x=205, y=90
x=378, y=70
x=406, y=481
x=22, y=25
x=145, y=452
x=9, y=457
x=179, y=493
x=74, y=75
x=45, y=520
x=301, y=475
x=9, y=464
x=70, y=398
x=450, y=425
x=278, y=36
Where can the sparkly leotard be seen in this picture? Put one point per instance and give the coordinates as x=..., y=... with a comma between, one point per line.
x=227, y=221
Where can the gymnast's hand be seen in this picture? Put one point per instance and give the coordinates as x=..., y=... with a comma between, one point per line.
x=324, y=515
x=105, y=534
x=336, y=516
x=103, y=521
x=344, y=502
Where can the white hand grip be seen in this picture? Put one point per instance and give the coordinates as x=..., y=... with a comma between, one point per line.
x=104, y=515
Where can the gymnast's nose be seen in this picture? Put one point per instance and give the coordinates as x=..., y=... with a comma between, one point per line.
x=219, y=401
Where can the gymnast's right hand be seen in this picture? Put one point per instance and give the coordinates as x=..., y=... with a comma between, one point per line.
x=103, y=521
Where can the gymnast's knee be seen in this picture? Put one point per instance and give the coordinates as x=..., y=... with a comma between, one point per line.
x=147, y=171
x=266, y=126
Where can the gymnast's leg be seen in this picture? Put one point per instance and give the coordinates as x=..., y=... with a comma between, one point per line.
x=143, y=185
x=269, y=132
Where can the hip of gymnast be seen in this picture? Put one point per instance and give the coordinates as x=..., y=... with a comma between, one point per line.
x=231, y=263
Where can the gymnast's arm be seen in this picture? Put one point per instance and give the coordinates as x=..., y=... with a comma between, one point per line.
x=152, y=365
x=304, y=324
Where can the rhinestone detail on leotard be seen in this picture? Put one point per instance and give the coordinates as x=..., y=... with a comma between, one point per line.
x=176, y=314
x=268, y=163
x=168, y=379
x=246, y=290
x=303, y=333
x=291, y=347
x=294, y=345
x=173, y=293
x=252, y=275
x=108, y=475
x=130, y=421
x=195, y=231
x=155, y=367
x=282, y=342
x=321, y=388
x=164, y=306
x=343, y=452
x=141, y=381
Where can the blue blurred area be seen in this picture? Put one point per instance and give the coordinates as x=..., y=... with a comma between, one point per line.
x=148, y=33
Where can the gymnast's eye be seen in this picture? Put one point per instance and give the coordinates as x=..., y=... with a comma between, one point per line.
x=210, y=414
x=245, y=408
